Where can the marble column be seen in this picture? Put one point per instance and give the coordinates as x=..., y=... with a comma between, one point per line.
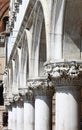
x=20, y=115
x=43, y=112
x=10, y=115
x=28, y=112
x=67, y=108
x=43, y=104
x=14, y=116
x=67, y=79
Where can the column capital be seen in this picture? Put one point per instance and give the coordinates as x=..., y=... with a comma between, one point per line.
x=8, y=103
x=18, y=99
x=26, y=93
x=66, y=73
x=41, y=87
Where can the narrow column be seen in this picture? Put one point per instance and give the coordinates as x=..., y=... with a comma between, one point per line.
x=68, y=108
x=14, y=116
x=20, y=115
x=43, y=105
x=10, y=115
x=29, y=112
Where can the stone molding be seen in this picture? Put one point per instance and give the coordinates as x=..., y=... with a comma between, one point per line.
x=64, y=73
x=41, y=87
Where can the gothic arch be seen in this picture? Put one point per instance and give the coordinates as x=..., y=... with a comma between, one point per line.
x=36, y=41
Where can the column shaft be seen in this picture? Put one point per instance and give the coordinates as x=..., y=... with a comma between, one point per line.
x=28, y=115
x=20, y=117
x=68, y=109
x=43, y=105
x=10, y=120
x=14, y=122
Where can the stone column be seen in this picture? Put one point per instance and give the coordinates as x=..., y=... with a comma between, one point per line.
x=29, y=112
x=20, y=117
x=67, y=78
x=14, y=116
x=43, y=104
x=67, y=108
x=20, y=112
x=10, y=115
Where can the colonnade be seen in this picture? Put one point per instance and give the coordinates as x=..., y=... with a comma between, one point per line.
x=31, y=108
x=38, y=69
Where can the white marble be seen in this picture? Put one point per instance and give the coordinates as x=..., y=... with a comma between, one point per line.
x=20, y=117
x=28, y=115
x=67, y=109
x=10, y=119
x=14, y=118
x=42, y=113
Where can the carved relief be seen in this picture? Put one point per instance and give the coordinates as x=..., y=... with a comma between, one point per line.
x=59, y=70
x=64, y=73
x=26, y=93
x=41, y=87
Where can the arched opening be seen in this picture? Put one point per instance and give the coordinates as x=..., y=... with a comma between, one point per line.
x=39, y=43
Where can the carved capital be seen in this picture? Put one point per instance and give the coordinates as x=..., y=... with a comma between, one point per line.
x=23, y=91
x=18, y=99
x=41, y=87
x=26, y=93
x=64, y=73
x=63, y=69
x=7, y=102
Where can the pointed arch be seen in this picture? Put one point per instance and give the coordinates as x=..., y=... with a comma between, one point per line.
x=38, y=56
